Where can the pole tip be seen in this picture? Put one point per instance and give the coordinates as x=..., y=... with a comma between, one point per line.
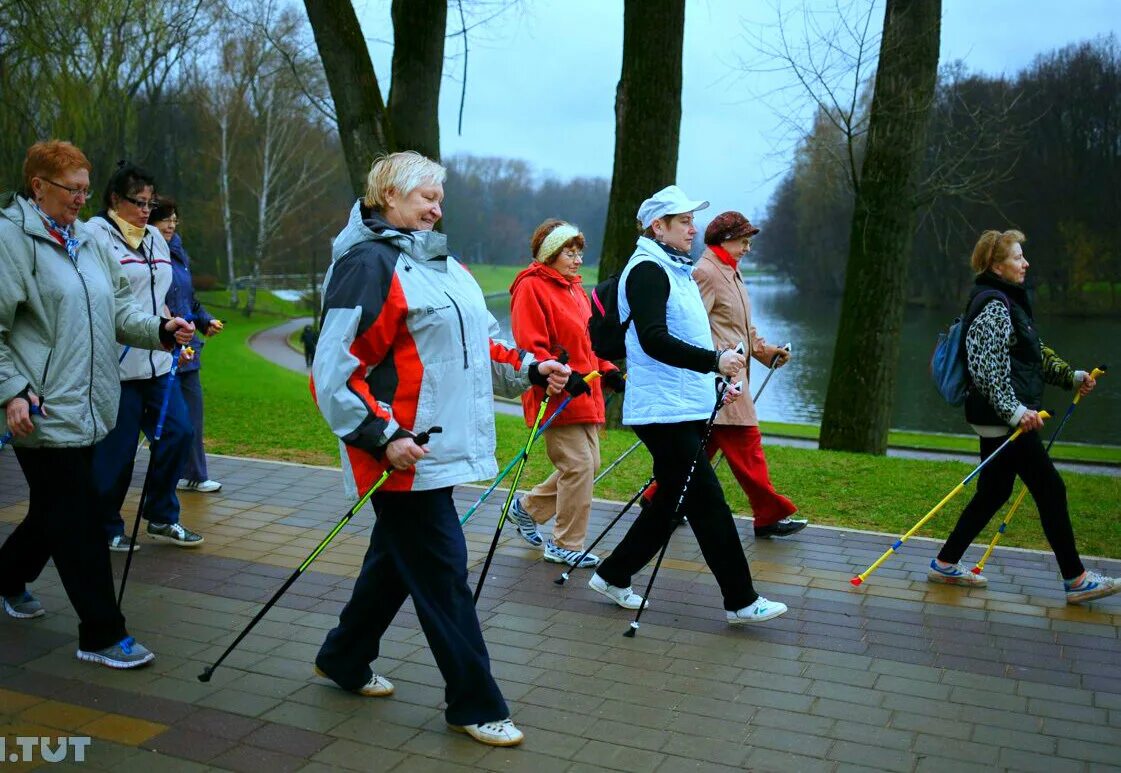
x=856, y=581
x=629, y=633
x=561, y=580
x=976, y=570
x=206, y=674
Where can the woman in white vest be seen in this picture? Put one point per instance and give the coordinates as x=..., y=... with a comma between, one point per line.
x=670, y=396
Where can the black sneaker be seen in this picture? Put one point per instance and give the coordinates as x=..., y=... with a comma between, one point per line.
x=175, y=534
x=783, y=528
x=121, y=544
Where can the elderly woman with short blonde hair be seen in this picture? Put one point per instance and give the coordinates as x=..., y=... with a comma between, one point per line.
x=406, y=344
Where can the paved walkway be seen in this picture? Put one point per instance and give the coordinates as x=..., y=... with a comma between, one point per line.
x=896, y=675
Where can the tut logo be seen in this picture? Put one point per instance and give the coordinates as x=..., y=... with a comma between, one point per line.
x=32, y=748
x=434, y=309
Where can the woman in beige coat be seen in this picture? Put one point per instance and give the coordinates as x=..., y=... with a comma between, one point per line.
x=736, y=432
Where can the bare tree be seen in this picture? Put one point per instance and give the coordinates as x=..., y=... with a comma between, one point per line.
x=414, y=93
x=862, y=381
x=360, y=112
x=283, y=171
x=647, y=119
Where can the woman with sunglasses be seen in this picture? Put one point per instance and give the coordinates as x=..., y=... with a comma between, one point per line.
x=63, y=306
x=145, y=260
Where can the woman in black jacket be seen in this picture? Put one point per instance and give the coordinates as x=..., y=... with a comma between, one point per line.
x=1008, y=366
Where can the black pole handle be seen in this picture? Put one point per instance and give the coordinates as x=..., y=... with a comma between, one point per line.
x=425, y=436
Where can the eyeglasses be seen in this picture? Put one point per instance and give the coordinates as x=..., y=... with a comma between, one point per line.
x=173, y=220
x=148, y=205
x=78, y=193
x=572, y=254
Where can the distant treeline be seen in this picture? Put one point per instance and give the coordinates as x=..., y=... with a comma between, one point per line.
x=226, y=105
x=494, y=204
x=1040, y=152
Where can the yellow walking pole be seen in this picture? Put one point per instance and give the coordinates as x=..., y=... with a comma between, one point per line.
x=860, y=578
x=1096, y=373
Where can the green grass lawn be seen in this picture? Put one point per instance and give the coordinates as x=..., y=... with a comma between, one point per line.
x=255, y=408
x=497, y=279
x=933, y=441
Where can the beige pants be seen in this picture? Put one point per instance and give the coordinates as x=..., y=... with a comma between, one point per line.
x=574, y=451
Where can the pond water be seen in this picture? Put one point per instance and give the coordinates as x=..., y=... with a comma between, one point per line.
x=797, y=392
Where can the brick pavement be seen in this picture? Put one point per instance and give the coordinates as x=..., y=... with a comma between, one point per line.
x=898, y=675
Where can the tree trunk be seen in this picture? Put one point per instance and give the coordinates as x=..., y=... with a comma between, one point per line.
x=224, y=189
x=419, y=28
x=647, y=120
x=359, y=109
x=862, y=381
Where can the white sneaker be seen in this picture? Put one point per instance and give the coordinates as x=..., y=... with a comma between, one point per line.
x=1089, y=586
x=624, y=597
x=500, y=733
x=955, y=574
x=555, y=554
x=758, y=612
x=204, y=486
x=377, y=687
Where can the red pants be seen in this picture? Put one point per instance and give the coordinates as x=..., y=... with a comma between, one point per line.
x=743, y=448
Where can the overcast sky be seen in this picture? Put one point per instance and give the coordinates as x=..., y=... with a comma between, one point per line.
x=542, y=77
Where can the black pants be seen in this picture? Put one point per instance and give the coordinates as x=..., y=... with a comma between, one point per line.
x=1027, y=458
x=674, y=447
x=417, y=549
x=62, y=523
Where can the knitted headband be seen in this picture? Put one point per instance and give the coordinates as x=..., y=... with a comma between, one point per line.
x=555, y=240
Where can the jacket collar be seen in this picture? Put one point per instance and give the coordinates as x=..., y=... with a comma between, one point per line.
x=666, y=256
x=366, y=224
x=102, y=219
x=17, y=208
x=547, y=273
x=1019, y=294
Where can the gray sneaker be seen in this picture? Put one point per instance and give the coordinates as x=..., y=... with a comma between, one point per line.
x=527, y=527
x=127, y=653
x=555, y=554
x=23, y=606
x=174, y=533
x=121, y=543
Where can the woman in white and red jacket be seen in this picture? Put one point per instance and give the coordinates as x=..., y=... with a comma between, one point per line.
x=549, y=312
x=407, y=343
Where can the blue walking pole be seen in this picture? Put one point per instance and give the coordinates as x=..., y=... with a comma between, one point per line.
x=506, y=470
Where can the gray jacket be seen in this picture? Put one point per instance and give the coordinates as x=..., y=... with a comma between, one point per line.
x=407, y=343
x=148, y=270
x=60, y=321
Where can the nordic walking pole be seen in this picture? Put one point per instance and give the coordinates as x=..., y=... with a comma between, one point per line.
x=208, y=672
x=175, y=353
x=1096, y=373
x=770, y=372
x=616, y=463
x=564, y=575
x=524, y=457
x=860, y=578
x=506, y=470
x=721, y=392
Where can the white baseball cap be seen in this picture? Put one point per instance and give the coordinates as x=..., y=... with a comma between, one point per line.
x=670, y=200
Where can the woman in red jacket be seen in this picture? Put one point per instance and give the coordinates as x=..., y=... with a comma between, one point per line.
x=549, y=311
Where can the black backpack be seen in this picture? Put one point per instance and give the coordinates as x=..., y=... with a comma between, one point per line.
x=607, y=331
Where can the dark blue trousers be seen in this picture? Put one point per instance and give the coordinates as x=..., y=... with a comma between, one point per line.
x=191, y=387
x=417, y=549
x=113, y=457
